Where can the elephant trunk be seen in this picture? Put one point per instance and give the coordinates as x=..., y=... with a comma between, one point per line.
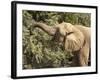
x=48, y=29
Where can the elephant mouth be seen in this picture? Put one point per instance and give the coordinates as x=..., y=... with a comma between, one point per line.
x=59, y=40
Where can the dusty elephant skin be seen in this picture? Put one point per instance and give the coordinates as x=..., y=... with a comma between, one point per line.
x=75, y=39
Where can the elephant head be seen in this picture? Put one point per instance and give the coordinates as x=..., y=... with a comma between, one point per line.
x=72, y=38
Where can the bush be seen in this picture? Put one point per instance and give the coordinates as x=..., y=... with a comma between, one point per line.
x=38, y=49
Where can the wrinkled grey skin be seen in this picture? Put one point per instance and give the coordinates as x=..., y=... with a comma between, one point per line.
x=75, y=39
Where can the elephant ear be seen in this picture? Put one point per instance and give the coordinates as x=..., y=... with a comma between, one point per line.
x=74, y=39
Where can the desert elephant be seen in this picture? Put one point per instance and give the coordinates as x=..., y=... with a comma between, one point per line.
x=75, y=39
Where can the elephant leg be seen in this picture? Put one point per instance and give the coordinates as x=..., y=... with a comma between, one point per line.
x=89, y=61
x=81, y=57
x=75, y=60
x=84, y=55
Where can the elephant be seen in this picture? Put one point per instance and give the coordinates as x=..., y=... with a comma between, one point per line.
x=74, y=38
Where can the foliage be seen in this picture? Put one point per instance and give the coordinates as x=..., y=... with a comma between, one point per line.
x=38, y=49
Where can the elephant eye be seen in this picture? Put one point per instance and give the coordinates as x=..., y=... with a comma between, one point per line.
x=69, y=33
